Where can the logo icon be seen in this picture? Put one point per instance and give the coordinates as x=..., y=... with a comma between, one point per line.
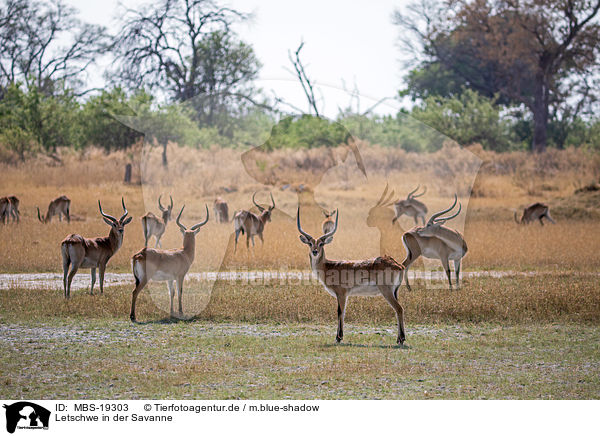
x=26, y=415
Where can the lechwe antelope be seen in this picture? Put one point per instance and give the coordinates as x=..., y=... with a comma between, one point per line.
x=165, y=265
x=9, y=208
x=79, y=252
x=221, y=210
x=59, y=206
x=152, y=226
x=411, y=207
x=346, y=278
x=436, y=241
x=535, y=211
x=328, y=222
x=252, y=224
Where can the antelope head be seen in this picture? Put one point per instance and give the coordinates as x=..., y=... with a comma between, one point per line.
x=265, y=213
x=193, y=231
x=435, y=221
x=316, y=245
x=166, y=212
x=117, y=225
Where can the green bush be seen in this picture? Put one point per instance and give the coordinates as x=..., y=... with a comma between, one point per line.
x=469, y=118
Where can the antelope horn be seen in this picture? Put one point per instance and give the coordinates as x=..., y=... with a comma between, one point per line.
x=387, y=201
x=124, y=210
x=171, y=198
x=437, y=214
x=112, y=218
x=382, y=195
x=443, y=220
x=181, y=226
x=41, y=220
x=160, y=206
x=421, y=194
x=272, y=200
x=197, y=226
x=299, y=226
x=410, y=194
x=256, y=204
x=337, y=215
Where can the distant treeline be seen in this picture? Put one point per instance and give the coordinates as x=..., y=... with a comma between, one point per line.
x=179, y=73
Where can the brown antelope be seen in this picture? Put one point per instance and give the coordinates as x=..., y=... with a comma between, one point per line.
x=252, y=224
x=221, y=210
x=14, y=205
x=79, y=252
x=59, y=206
x=535, y=211
x=328, y=222
x=4, y=209
x=166, y=265
x=436, y=241
x=9, y=208
x=346, y=278
x=152, y=226
x=411, y=207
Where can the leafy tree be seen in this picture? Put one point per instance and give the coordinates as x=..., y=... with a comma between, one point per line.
x=187, y=49
x=34, y=120
x=43, y=44
x=100, y=125
x=540, y=53
x=469, y=118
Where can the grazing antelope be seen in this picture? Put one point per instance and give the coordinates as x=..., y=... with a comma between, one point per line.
x=221, y=210
x=535, y=211
x=346, y=278
x=251, y=224
x=166, y=265
x=411, y=207
x=79, y=252
x=328, y=222
x=151, y=225
x=436, y=241
x=59, y=206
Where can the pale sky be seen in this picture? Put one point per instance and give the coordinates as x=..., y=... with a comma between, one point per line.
x=349, y=41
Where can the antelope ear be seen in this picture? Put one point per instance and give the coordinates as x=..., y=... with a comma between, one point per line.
x=107, y=221
x=304, y=239
x=328, y=240
x=127, y=221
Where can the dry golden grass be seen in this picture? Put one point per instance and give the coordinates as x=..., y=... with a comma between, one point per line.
x=554, y=298
x=195, y=177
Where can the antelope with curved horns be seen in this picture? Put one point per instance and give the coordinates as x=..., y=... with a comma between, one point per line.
x=152, y=226
x=79, y=252
x=436, y=241
x=221, y=210
x=411, y=207
x=346, y=278
x=535, y=211
x=251, y=224
x=166, y=265
x=59, y=206
x=328, y=222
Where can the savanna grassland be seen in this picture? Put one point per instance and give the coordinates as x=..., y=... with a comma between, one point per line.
x=532, y=334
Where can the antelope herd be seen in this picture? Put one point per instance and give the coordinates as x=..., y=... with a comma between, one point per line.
x=340, y=278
